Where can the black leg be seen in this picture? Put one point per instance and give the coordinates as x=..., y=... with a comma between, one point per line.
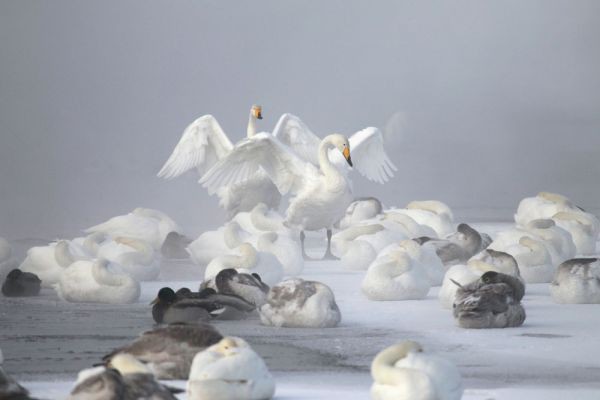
x=328, y=255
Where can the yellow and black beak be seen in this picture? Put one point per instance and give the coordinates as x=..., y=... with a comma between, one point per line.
x=346, y=154
x=156, y=300
x=259, y=114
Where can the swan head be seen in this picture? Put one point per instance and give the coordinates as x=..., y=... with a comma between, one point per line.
x=127, y=364
x=229, y=346
x=342, y=144
x=165, y=295
x=256, y=111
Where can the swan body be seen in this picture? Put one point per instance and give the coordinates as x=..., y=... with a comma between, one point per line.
x=577, y=281
x=97, y=281
x=228, y=370
x=405, y=372
x=395, y=276
x=407, y=225
x=434, y=214
x=581, y=226
x=48, y=262
x=534, y=260
x=360, y=210
x=545, y=205
x=301, y=304
x=248, y=258
x=168, y=351
x=212, y=244
x=358, y=245
x=425, y=257
x=493, y=301
x=145, y=224
x=134, y=256
x=202, y=144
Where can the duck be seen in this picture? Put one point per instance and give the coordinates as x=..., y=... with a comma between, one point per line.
x=124, y=378
x=581, y=226
x=359, y=210
x=9, y=388
x=296, y=303
x=434, y=214
x=21, y=284
x=146, y=224
x=247, y=286
x=48, y=262
x=577, y=281
x=493, y=301
x=202, y=144
x=136, y=257
x=169, y=351
x=184, y=306
x=458, y=247
x=97, y=281
x=263, y=263
x=230, y=369
x=405, y=372
x=395, y=276
x=7, y=262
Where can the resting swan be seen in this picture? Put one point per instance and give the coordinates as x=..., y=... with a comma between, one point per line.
x=360, y=210
x=321, y=194
x=97, y=281
x=297, y=303
x=48, y=262
x=581, y=227
x=202, y=144
x=145, y=224
x=434, y=214
x=534, y=260
x=230, y=370
x=405, y=372
x=134, y=256
x=577, y=281
x=395, y=276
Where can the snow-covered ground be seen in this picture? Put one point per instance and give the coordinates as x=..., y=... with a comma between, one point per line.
x=553, y=355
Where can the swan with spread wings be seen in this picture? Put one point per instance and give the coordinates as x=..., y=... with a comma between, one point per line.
x=321, y=194
x=202, y=144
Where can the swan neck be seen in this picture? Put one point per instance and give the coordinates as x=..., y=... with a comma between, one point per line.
x=248, y=258
x=103, y=276
x=324, y=162
x=231, y=235
x=63, y=256
x=251, y=130
x=383, y=367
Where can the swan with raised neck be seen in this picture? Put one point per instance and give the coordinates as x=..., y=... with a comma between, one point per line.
x=255, y=114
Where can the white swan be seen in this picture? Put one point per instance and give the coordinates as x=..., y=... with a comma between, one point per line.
x=286, y=250
x=212, y=244
x=534, y=260
x=145, y=224
x=432, y=213
x=229, y=370
x=134, y=256
x=48, y=262
x=544, y=206
x=96, y=281
x=424, y=257
x=405, y=372
x=406, y=224
x=321, y=194
x=360, y=210
x=395, y=276
x=265, y=264
x=577, y=281
x=7, y=262
x=202, y=144
x=301, y=304
x=581, y=227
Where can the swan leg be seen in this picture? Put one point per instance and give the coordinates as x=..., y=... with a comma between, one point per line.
x=304, y=255
x=328, y=255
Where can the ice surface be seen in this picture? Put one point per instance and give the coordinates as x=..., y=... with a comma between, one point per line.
x=553, y=355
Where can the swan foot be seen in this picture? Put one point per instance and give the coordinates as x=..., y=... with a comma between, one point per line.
x=304, y=255
x=329, y=256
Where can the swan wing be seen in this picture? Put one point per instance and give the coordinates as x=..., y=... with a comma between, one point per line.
x=202, y=144
x=287, y=170
x=293, y=132
x=368, y=154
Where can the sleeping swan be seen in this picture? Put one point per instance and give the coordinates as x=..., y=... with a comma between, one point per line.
x=577, y=281
x=229, y=370
x=134, y=256
x=405, y=372
x=297, y=303
x=97, y=281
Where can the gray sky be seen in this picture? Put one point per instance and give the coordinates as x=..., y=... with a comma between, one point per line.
x=498, y=100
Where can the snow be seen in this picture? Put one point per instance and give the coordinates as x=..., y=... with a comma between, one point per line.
x=553, y=355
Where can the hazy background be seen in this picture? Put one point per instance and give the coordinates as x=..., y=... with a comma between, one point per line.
x=491, y=101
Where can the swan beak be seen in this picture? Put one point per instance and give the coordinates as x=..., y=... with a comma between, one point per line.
x=154, y=301
x=259, y=115
x=346, y=154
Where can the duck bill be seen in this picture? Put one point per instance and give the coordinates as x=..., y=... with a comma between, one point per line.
x=346, y=154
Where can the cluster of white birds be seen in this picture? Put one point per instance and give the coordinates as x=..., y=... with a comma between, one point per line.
x=107, y=265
